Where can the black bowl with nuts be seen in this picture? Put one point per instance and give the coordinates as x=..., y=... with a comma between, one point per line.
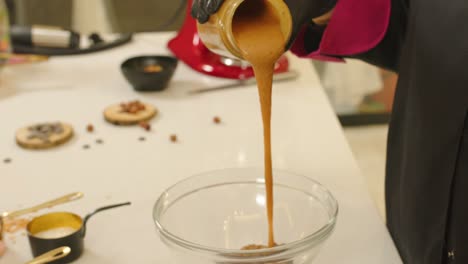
x=149, y=73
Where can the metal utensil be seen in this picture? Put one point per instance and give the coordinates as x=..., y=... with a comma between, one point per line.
x=50, y=256
x=64, y=199
x=280, y=77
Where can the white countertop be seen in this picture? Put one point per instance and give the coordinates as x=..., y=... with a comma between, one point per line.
x=307, y=139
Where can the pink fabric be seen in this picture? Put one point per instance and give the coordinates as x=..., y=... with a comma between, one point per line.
x=356, y=26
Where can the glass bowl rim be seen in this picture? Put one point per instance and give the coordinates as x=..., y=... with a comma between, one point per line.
x=306, y=242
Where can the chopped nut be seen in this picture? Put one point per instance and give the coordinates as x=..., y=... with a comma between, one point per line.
x=146, y=126
x=90, y=128
x=173, y=138
x=216, y=120
x=44, y=131
x=152, y=68
x=132, y=107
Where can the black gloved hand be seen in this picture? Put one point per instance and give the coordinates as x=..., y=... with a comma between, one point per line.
x=203, y=9
x=302, y=12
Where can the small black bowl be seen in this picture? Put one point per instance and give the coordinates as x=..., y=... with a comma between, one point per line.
x=149, y=73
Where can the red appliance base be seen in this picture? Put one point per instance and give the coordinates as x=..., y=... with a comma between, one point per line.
x=210, y=63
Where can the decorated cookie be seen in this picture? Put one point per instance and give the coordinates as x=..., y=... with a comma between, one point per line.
x=44, y=135
x=131, y=113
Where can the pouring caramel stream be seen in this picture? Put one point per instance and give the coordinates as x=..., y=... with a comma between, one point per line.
x=256, y=29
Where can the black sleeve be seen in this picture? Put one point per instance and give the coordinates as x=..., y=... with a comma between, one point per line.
x=387, y=53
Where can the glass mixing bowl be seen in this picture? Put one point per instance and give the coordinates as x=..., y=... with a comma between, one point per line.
x=208, y=218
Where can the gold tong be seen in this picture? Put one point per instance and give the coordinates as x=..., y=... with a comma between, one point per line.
x=50, y=256
x=61, y=200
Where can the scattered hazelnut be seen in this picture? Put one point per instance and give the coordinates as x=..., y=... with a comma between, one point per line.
x=90, y=128
x=216, y=120
x=173, y=138
x=146, y=126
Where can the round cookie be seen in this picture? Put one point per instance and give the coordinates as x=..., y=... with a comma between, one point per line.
x=130, y=113
x=44, y=135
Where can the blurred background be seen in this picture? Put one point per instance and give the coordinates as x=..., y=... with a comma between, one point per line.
x=361, y=95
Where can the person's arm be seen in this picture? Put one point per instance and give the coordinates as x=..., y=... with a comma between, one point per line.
x=370, y=30
x=388, y=52
x=384, y=54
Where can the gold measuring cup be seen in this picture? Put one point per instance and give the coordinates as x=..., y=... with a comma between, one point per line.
x=50, y=256
x=61, y=200
x=57, y=229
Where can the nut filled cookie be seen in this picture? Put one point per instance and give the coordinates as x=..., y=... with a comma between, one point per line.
x=130, y=113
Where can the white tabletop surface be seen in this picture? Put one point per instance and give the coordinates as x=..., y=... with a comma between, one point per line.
x=307, y=139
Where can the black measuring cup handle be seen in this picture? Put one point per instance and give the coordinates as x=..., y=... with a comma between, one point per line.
x=88, y=216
